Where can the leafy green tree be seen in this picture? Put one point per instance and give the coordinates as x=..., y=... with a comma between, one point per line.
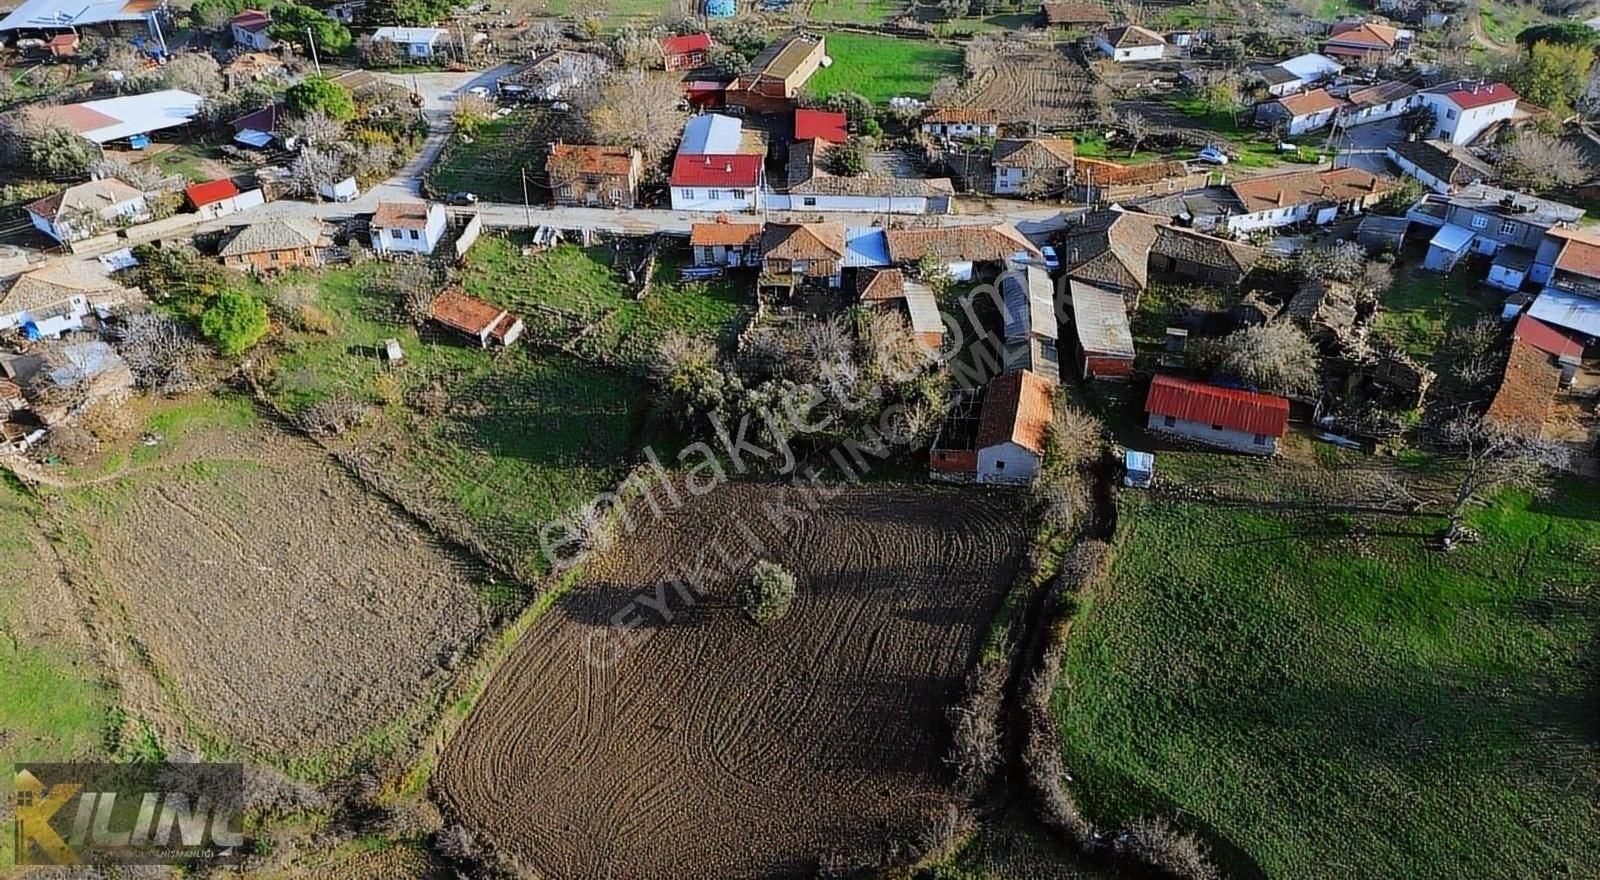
x=1554, y=75
x=848, y=159
x=289, y=24
x=411, y=13
x=767, y=594
x=58, y=152
x=1566, y=33
x=234, y=321
x=857, y=108
x=320, y=93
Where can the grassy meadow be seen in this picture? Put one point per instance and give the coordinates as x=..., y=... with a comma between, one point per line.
x=1321, y=695
x=881, y=68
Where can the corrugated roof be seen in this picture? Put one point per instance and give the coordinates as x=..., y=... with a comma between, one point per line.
x=711, y=133
x=1030, y=303
x=116, y=118
x=685, y=44
x=865, y=247
x=1546, y=338
x=1016, y=408
x=1569, y=310
x=1191, y=401
x=1100, y=319
x=202, y=194
x=822, y=125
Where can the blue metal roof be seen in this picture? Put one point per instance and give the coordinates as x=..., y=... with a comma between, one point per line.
x=865, y=247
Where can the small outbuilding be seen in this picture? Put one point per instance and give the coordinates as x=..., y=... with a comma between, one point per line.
x=485, y=322
x=1228, y=418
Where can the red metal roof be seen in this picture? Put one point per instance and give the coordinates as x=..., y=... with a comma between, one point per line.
x=1468, y=93
x=820, y=125
x=713, y=170
x=202, y=194
x=1546, y=338
x=1191, y=401
x=685, y=44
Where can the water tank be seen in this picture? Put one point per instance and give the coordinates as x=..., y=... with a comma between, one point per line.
x=721, y=8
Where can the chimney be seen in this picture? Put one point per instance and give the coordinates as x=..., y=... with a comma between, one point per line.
x=727, y=167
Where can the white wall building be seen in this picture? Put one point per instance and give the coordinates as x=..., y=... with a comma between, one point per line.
x=410, y=227
x=419, y=42
x=84, y=210
x=1131, y=43
x=1463, y=109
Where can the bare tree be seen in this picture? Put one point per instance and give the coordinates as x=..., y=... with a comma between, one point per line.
x=635, y=109
x=1136, y=127
x=1472, y=352
x=1275, y=357
x=1492, y=455
x=632, y=49
x=316, y=129
x=140, y=177
x=1542, y=163
x=313, y=170
x=194, y=72
x=471, y=112
x=163, y=356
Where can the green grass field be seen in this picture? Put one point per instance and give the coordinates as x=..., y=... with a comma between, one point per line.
x=1322, y=696
x=857, y=11
x=492, y=164
x=881, y=68
x=1422, y=307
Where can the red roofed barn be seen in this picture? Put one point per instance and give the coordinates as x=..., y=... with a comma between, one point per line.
x=685, y=52
x=1243, y=421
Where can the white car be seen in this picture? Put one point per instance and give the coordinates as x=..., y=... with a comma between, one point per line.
x=479, y=91
x=1213, y=156
x=1051, y=261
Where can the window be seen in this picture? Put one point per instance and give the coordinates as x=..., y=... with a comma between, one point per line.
x=566, y=192
x=395, y=233
x=1216, y=427
x=273, y=256
x=688, y=193
x=1449, y=114
x=739, y=194
x=713, y=194
x=1170, y=422
x=616, y=195
x=414, y=235
x=809, y=202
x=1508, y=228
x=1260, y=440
x=1480, y=222
x=999, y=465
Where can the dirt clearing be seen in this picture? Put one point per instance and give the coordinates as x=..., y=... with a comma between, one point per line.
x=705, y=746
x=282, y=609
x=1041, y=85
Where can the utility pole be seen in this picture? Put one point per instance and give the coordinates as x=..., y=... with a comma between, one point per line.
x=312, y=40
x=527, y=208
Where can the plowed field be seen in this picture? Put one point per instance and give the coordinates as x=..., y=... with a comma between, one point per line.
x=706, y=746
x=1043, y=85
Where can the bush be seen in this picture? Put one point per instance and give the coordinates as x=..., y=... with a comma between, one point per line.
x=767, y=593
x=320, y=93
x=234, y=321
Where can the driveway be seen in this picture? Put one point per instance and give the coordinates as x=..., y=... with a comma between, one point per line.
x=1363, y=146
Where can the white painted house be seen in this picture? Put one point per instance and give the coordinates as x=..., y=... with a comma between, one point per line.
x=1310, y=196
x=1130, y=42
x=1300, y=113
x=1311, y=67
x=1013, y=427
x=87, y=209
x=961, y=122
x=250, y=30
x=1465, y=108
x=56, y=298
x=409, y=227
x=1227, y=418
x=719, y=167
x=419, y=42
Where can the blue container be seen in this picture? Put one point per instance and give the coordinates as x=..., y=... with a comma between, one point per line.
x=722, y=8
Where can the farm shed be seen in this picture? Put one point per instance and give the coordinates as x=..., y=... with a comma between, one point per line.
x=481, y=320
x=1013, y=426
x=1228, y=418
x=275, y=244
x=1105, y=342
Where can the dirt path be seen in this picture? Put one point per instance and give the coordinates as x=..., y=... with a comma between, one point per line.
x=1483, y=38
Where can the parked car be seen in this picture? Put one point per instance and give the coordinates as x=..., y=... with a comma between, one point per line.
x=480, y=91
x=1213, y=156
x=462, y=198
x=1051, y=261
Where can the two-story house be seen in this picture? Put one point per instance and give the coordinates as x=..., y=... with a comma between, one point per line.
x=408, y=227
x=1365, y=42
x=685, y=52
x=1571, y=296
x=590, y=174
x=1506, y=225
x=250, y=30
x=1311, y=196
x=1032, y=332
x=719, y=166
x=1463, y=109
x=1033, y=166
x=776, y=75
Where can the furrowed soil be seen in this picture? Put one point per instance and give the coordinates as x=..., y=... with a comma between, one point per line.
x=698, y=744
x=281, y=609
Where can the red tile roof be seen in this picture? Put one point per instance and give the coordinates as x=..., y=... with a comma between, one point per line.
x=1191, y=401
x=961, y=116
x=1581, y=253
x=1526, y=390
x=567, y=160
x=820, y=125
x=1308, y=103
x=1016, y=407
x=1366, y=34
x=685, y=44
x=454, y=308
x=725, y=234
x=401, y=215
x=251, y=20
x=712, y=170
x=1546, y=338
x=1470, y=93
x=202, y=194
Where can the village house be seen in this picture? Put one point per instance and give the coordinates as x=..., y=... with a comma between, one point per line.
x=250, y=30
x=1130, y=42
x=891, y=289
x=812, y=188
x=959, y=249
x=270, y=245
x=1463, y=109
x=588, y=174
x=124, y=118
x=1297, y=73
x=1365, y=43
x=1075, y=14
x=1300, y=113
x=1506, y=225
x=685, y=52
x=57, y=297
x=719, y=166
x=1100, y=324
x=1121, y=251
x=417, y=42
x=1310, y=196
x=485, y=322
x=408, y=227
x=550, y=76
x=1227, y=418
x=1031, y=330
x=820, y=125
x=219, y=198
x=1440, y=166
x=1032, y=166
x=961, y=123
x=1570, y=298
x=102, y=18
x=776, y=75
x=259, y=128
x=1099, y=181
x=1375, y=103
x=796, y=252
x=726, y=244
x=1013, y=428
x=85, y=210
